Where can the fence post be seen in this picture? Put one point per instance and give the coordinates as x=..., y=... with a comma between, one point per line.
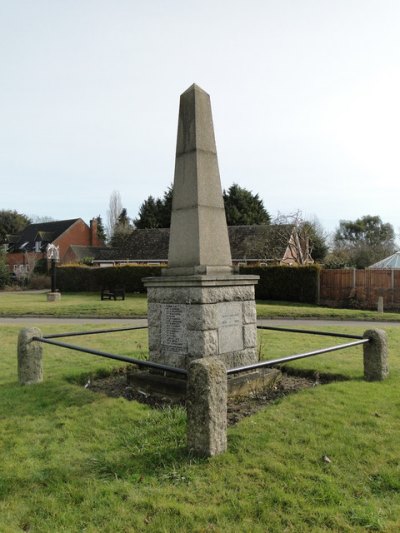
x=375, y=355
x=319, y=286
x=207, y=406
x=30, y=370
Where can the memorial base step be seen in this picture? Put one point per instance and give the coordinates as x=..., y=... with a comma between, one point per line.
x=161, y=385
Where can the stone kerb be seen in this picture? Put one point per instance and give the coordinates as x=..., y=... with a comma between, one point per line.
x=30, y=369
x=376, y=366
x=207, y=392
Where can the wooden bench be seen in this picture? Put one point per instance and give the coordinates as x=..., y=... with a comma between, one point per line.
x=112, y=293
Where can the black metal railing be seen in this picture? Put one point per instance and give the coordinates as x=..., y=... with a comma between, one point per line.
x=48, y=339
x=288, y=358
x=359, y=340
x=312, y=332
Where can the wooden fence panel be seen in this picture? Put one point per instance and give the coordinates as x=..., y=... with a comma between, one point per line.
x=360, y=288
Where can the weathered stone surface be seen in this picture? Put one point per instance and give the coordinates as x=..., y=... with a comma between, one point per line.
x=244, y=357
x=207, y=407
x=202, y=317
x=253, y=382
x=203, y=308
x=249, y=312
x=230, y=330
x=224, y=294
x=199, y=234
x=229, y=315
x=30, y=369
x=179, y=295
x=174, y=327
x=153, y=314
x=170, y=358
x=154, y=339
x=250, y=335
x=200, y=294
x=202, y=343
x=376, y=366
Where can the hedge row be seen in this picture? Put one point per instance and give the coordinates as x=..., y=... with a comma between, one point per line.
x=85, y=278
x=293, y=284
x=286, y=283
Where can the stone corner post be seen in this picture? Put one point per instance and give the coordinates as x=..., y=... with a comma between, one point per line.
x=375, y=355
x=30, y=369
x=207, y=407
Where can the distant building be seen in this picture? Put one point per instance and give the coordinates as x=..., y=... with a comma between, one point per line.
x=391, y=262
x=29, y=246
x=265, y=244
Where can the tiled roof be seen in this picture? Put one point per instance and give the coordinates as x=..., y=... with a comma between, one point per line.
x=266, y=242
x=142, y=245
x=44, y=232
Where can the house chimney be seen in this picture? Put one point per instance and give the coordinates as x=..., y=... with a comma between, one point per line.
x=94, y=240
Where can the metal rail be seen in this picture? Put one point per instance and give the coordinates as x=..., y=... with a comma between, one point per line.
x=92, y=332
x=312, y=332
x=294, y=357
x=139, y=362
x=48, y=339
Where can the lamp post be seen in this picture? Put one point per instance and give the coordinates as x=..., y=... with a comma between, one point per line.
x=53, y=254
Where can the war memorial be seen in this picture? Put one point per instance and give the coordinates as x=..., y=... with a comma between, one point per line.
x=202, y=322
x=199, y=307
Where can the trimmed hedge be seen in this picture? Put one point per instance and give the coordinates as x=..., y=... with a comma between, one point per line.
x=84, y=278
x=292, y=284
x=286, y=283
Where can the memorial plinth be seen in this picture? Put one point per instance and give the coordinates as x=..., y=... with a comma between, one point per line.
x=200, y=316
x=198, y=307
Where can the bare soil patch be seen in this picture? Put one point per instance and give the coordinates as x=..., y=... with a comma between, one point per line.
x=115, y=385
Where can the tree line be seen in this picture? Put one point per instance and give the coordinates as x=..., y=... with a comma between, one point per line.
x=356, y=243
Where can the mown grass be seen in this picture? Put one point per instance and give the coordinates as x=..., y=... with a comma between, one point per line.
x=86, y=304
x=74, y=460
x=272, y=309
x=89, y=305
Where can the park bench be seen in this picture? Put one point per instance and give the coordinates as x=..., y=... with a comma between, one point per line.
x=112, y=293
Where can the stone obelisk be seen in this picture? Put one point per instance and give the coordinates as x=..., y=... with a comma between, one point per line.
x=199, y=307
x=199, y=242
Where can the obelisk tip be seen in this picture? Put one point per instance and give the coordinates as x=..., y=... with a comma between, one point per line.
x=194, y=87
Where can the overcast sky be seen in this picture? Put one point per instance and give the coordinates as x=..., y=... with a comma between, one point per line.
x=305, y=97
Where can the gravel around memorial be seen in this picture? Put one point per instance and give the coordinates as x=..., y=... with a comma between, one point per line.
x=115, y=385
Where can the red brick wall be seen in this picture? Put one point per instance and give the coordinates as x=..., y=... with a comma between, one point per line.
x=95, y=241
x=79, y=233
x=23, y=259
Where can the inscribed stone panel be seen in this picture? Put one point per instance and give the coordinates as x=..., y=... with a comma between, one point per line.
x=173, y=327
x=230, y=326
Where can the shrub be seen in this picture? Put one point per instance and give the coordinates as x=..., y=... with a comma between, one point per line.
x=4, y=272
x=39, y=281
x=40, y=266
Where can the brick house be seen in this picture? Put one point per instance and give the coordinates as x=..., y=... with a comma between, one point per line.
x=25, y=249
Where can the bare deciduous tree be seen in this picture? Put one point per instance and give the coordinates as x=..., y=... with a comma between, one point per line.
x=113, y=212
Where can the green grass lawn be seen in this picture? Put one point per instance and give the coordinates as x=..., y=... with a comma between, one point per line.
x=89, y=305
x=73, y=460
x=71, y=305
